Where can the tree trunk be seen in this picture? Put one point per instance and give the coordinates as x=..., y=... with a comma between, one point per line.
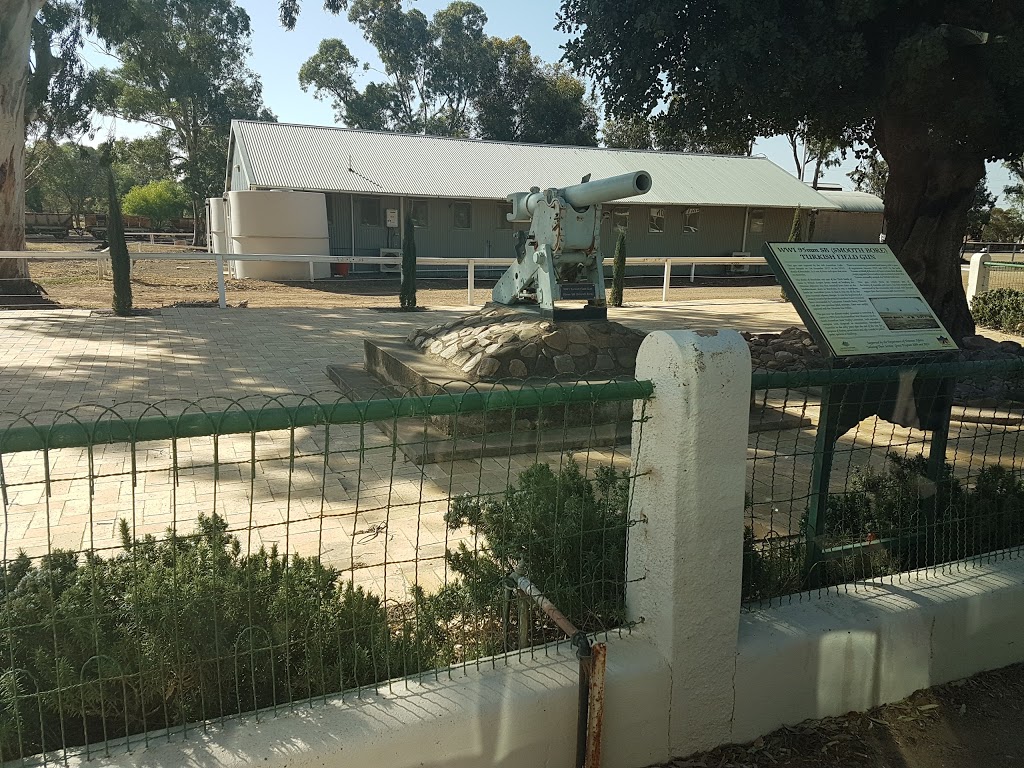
x=15, y=42
x=927, y=196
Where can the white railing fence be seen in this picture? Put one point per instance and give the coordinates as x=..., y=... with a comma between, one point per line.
x=102, y=258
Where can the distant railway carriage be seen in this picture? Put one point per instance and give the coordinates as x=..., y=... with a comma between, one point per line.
x=56, y=224
x=96, y=224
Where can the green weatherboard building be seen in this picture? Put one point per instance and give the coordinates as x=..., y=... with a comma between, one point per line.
x=454, y=190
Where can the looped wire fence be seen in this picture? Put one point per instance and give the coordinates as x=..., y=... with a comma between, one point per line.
x=869, y=472
x=168, y=565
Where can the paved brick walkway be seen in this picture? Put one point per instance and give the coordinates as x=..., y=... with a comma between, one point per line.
x=348, y=496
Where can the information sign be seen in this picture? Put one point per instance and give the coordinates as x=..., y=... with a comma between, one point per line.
x=856, y=299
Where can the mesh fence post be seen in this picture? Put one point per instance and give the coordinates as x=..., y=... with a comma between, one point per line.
x=685, y=550
x=977, y=278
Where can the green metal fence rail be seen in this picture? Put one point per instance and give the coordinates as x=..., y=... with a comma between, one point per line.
x=872, y=472
x=168, y=565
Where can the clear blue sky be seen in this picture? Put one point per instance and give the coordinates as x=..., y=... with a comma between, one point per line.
x=278, y=54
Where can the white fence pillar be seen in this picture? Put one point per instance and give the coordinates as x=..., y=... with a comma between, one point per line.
x=977, y=278
x=685, y=556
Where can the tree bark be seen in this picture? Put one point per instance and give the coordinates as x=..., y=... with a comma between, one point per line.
x=927, y=196
x=15, y=42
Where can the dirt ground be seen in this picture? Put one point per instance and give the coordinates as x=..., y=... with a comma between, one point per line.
x=74, y=285
x=972, y=723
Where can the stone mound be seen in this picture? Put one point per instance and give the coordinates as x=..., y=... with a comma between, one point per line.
x=503, y=343
x=795, y=350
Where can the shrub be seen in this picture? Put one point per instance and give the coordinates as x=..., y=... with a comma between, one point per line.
x=161, y=201
x=918, y=521
x=120, y=263
x=1001, y=309
x=407, y=292
x=181, y=629
x=619, y=270
x=563, y=531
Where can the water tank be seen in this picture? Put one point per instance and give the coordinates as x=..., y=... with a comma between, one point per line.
x=218, y=226
x=279, y=221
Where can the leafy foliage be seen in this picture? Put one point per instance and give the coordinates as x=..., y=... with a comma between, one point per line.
x=980, y=212
x=447, y=77
x=407, y=290
x=1005, y=225
x=183, y=70
x=936, y=87
x=1001, y=309
x=564, y=532
x=178, y=630
x=870, y=175
x=161, y=201
x=65, y=178
x=619, y=270
x=523, y=99
x=914, y=519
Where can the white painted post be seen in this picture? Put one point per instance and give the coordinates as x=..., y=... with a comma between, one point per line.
x=222, y=299
x=693, y=271
x=685, y=555
x=977, y=278
x=470, y=281
x=668, y=279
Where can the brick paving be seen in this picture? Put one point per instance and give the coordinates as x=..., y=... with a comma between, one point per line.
x=348, y=497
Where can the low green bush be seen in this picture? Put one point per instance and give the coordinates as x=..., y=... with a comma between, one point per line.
x=1001, y=309
x=177, y=630
x=187, y=628
x=563, y=531
x=918, y=521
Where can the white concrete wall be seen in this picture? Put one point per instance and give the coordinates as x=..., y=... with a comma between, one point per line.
x=519, y=714
x=825, y=656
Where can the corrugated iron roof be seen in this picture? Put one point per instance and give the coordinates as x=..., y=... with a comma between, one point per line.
x=854, y=202
x=327, y=159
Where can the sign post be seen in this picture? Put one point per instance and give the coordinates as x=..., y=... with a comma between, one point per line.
x=861, y=307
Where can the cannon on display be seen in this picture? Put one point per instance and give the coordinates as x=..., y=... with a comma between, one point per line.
x=559, y=258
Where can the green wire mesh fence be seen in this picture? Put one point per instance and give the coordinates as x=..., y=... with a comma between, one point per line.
x=866, y=472
x=1006, y=274
x=174, y=564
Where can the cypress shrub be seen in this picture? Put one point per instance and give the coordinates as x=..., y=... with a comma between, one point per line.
x=407, y=294
x=619, y=270
x=120, y=262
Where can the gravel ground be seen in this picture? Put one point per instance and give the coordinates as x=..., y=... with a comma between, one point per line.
x=972, y=723
x=74, y=284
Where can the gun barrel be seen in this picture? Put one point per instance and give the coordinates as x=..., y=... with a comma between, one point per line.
x=605, y=190
x=582, y=195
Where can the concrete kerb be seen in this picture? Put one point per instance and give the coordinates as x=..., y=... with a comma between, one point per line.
x=876, y=643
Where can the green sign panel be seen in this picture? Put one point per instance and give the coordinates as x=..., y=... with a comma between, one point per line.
x=856, y=299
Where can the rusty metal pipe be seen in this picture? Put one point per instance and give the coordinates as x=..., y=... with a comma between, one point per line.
x=590, y=700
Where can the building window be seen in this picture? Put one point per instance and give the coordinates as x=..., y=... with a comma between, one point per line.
x=620, y=218
x=369, y=211
x=419, y=212
x=656, y=223
x=462, y=214
x=503, y=211
x=757, y=220
x=691, y=220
